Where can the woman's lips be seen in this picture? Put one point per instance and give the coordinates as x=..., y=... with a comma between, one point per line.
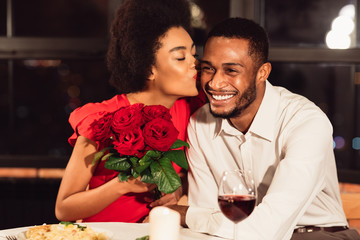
x=195, y=76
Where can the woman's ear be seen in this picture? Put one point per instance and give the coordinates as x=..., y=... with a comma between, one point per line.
x=153, y=74
x=263, y=72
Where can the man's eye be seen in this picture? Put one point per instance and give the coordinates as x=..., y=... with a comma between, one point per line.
x=206, y=69
x=231, y=71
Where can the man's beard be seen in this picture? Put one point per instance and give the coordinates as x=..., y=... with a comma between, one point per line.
x=242, y=103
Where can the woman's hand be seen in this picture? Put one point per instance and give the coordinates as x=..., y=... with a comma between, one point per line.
x=136, y=186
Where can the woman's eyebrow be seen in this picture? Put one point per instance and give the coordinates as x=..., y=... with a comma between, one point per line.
x=177, y=48
x=181, y=48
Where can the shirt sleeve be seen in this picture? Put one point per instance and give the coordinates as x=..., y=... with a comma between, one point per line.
x=298, y=179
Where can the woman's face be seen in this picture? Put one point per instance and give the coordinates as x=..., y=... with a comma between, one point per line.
x=174, y=73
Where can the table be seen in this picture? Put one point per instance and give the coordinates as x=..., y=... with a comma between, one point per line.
x=125, y=231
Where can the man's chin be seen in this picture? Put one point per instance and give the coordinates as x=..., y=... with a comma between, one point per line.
x=219, y=113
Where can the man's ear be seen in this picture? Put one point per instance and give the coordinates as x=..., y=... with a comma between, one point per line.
x=263, y=72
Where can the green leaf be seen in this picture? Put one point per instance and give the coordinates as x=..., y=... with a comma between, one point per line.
x=123, y=176
x=134, y=161
x=107, y=156
x=117, y=163
x=134, y=173
x=81, y=227
x=165, y=176
x=144, y=238
x=67, y=223
x=99, y=154
x=153, y=154
x=146, y=176
x=146, y=160
x=178, y=157
x=179, y=143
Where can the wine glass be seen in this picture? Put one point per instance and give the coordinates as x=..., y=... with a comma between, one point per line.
x=237, y=195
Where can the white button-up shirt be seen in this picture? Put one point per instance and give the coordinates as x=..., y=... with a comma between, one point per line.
x=288, y=146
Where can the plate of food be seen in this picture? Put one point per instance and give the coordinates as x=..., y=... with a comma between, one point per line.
x=65, y=230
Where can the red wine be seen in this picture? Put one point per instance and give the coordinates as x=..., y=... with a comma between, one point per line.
x=236, y=207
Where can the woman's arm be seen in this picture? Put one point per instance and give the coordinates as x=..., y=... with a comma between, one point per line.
x=74, y=201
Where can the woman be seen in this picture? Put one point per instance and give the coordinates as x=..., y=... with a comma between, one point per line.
x=151, y=57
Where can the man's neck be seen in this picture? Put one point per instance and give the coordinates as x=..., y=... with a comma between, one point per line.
x=244, y=120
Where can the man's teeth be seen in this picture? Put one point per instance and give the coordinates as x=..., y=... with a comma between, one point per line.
x=222, y=97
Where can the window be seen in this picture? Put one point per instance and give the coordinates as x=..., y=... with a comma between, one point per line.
x=52, y=60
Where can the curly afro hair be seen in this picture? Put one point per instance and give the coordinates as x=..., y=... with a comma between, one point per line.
x=135, y=38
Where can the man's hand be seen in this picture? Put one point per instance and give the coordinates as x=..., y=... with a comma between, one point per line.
x=168, y=199
x=182, y=210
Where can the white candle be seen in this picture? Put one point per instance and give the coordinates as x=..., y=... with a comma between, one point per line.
x=164, y=224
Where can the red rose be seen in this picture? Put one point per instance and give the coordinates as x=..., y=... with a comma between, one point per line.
x=129, y=142
x=127, y=118
x=101, y=128
x=160, y=134
x=156, y=111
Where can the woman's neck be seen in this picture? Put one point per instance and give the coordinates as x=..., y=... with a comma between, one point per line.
x=150, y=98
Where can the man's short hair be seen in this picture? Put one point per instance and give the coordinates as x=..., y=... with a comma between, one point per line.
x=245, y=29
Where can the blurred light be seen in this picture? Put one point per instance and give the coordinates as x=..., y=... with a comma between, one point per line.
x=335, y=40
x=73, y=91
x=343, y=25
x=197, y=16
x=348, y=10
x=356, y=143
x=342, y=29
x=50, y=63
x=31, y=63
x=339, y=142
x=195, y=11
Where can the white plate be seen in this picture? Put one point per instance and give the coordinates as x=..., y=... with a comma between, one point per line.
x=109, y=234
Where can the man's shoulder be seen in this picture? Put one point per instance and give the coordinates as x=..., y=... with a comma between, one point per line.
x=297, y=109
x=296, y=103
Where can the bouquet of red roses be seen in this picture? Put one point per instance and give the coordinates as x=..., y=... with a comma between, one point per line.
x=141, y=141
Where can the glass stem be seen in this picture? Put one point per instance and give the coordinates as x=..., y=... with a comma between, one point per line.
x=235, y=231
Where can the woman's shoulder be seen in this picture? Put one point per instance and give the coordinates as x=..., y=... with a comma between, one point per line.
x=81, y=118
x=98, y=108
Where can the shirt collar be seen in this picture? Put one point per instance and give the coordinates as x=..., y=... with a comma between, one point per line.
x=264, y=122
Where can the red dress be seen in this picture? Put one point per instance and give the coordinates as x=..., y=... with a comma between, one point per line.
x=129, y=207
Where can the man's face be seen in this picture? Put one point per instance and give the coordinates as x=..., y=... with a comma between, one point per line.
x=228, y=76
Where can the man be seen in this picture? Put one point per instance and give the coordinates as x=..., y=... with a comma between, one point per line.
x=249, y=124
